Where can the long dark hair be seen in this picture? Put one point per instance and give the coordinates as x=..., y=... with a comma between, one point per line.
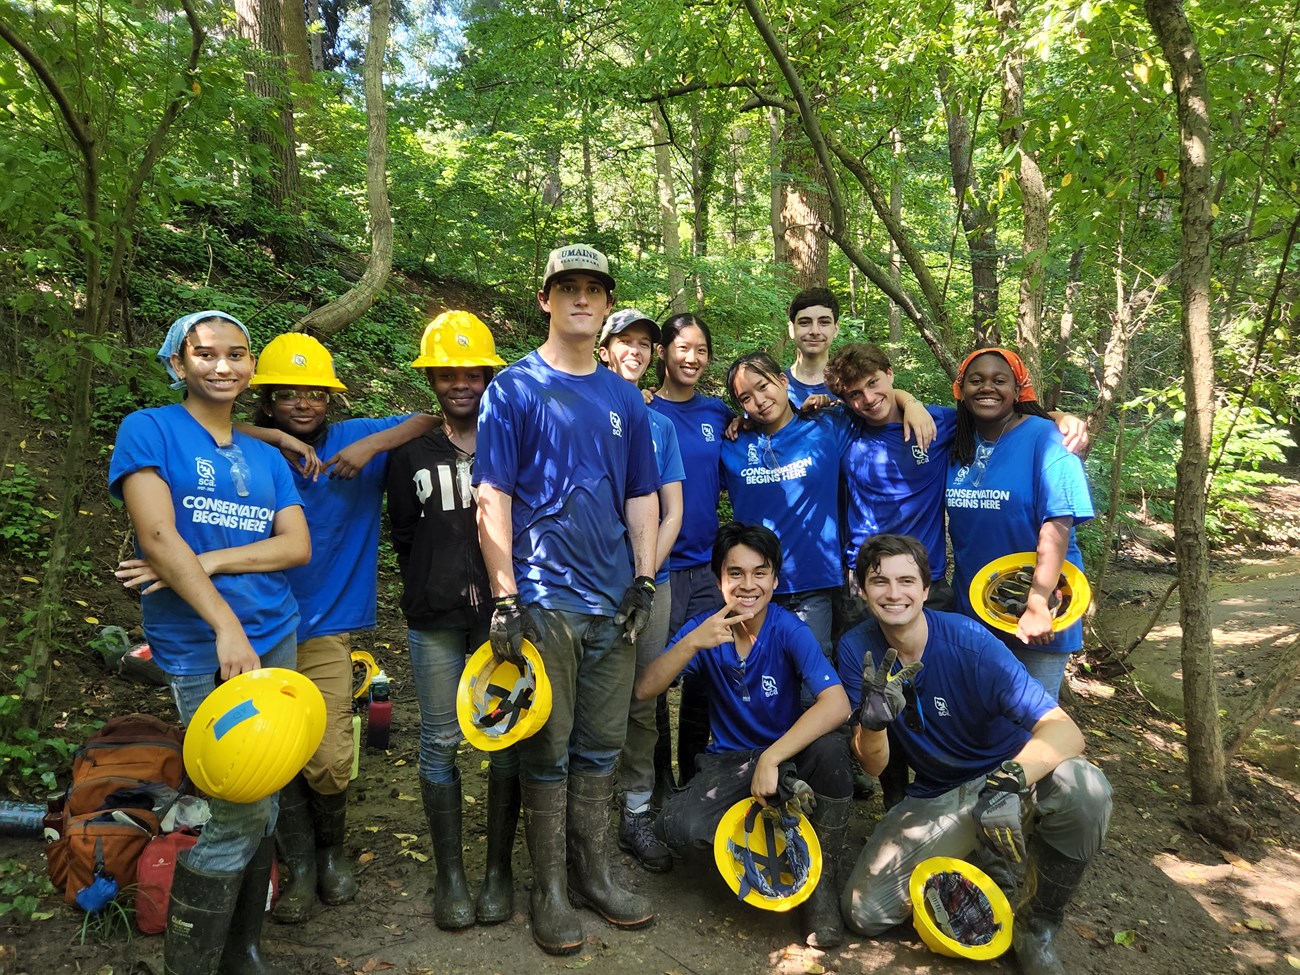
x=767, y=367
x=669, y=331
x=963, y=441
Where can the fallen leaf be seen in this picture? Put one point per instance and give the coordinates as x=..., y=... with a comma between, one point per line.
x=1293, y=961
x=470, y=800
x=32, y=579
x=82, y=603
x=812, y=968
x=414, y=854
x=1155, y=786
x=1235, y=860
x=366, y=857
x=42, y=915
x=1126, y=938
x=1258, y=924
x=405, y=798
x=92, y=620
x=372, y=829
x=341, y=962
x=406, y=837
x=399, y=763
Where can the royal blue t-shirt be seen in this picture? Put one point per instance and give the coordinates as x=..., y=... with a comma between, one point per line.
x=570, y=451
x=789, y=481
x=894, y=487
x=220, y=502
x=1028, y=477
x=700, y=422
x=336, y=590
x=754, y=702
x=800, y=391
x=668, y=461
x=978, y=704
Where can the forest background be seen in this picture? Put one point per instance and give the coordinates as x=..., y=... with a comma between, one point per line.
x=1109, y=187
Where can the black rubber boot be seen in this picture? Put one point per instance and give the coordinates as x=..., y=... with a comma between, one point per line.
x=295, y=836
x=822, y=920
x=1051, y=879
x=496, y=899
x=334, y=879
x=242, y=954
x=452, y=908
x=556, y=927
x=198, y=918
x=590, y=881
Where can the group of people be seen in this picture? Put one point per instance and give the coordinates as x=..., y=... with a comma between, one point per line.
x=555, y=502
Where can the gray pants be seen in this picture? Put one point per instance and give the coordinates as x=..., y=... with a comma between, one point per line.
x=1071, y=813
x=637, y=773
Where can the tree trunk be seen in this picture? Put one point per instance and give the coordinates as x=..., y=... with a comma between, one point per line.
x=1205, y=758
x=667, y=193
x=804, y=211
x=704, y=164
x=293, y=26
x=316, y=38
x=774, y=128
x=588, y=182
x=259, y=23
x=343, y=311
x=1074, y=275
x=895, y=255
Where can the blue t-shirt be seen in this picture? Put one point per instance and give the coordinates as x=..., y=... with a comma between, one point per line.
x=336, y=590
x=1028, y=477
x=700, y=422
x=754, y=702
x=570, y=451
x=894, y=487
x=978, y=704
x=799, y=391
x=219, y=503
x=789, y=481
x=668, y=461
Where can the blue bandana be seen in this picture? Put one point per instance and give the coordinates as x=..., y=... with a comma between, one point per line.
x=176, y=337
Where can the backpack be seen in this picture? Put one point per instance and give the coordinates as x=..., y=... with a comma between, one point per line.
x=108, y=812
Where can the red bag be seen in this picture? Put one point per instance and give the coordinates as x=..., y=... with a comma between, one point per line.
x=153, y=879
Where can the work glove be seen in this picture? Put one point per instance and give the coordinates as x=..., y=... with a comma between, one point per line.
x=882, y=694
x=997, y=818
x=511, y=625
x=634, y=611
x=793, y=792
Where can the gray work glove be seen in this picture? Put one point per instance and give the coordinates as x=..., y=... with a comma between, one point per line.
x=997, y=815
x=882, y=694
x=511, y=625
x=793, y=792
x=634, y=611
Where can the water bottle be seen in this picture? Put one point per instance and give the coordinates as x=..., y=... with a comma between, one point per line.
x=22, y=818
x=380, y=716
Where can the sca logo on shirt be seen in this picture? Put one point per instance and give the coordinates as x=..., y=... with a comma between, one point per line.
x=616, y=423
x=941, y=707
x=707, y=430
x=769, y=686
x=751, y=455
x=919, y=454
x=207, y=474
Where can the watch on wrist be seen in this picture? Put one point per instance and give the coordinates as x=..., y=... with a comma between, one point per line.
x=1016, y=771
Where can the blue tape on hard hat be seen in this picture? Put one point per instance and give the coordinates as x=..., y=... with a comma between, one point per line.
x=235, y=716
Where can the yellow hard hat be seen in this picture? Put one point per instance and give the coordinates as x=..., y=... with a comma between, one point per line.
x=364, y=670
x=294, y=359
x=770, y=857
x=997, y=590
x=497, y=704
x=457, y=340
x=254, y=733
x=958, y=910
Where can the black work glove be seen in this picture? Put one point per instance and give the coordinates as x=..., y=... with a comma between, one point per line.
x=882, y=694
x=793, y=792
x=997, y=818
x=634, y=611
x=511, y=625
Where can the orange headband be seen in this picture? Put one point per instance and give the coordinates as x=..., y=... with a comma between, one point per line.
x=1018, y=370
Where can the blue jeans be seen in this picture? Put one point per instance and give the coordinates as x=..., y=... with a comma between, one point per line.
x=1045, y=666
x=813, y=606
x=437, y=661
x=590, y=665
x=236, y=829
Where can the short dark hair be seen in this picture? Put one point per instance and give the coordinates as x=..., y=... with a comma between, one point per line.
x=878, y=547
x=758, y=537
x=854, y=362
x=815, y=296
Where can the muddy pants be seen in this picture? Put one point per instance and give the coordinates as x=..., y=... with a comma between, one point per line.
x=637, y=772
x=691, y=815
x=1070, y=812
x=327, y=662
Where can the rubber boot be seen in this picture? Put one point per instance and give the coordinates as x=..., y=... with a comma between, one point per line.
x=242, y=954
x=334, y=880
x=822, y=920
x=295, y=835
x=452, y=908
x=496, y=898
x=590, y=882
x=556, y=927
x=1051, y=879
x=198, y=918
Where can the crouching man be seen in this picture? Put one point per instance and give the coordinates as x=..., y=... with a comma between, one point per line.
x=988, y=746
x=755, y=658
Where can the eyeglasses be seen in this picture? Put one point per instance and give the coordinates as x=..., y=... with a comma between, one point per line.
x=913, y=716
x=737, y=674
x=770, y=461
x=983, y=453
x=238, y=467
x=313, y=396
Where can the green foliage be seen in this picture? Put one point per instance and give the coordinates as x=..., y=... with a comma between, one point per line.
x=24, y=519
x=22, y=889
x=30, y=760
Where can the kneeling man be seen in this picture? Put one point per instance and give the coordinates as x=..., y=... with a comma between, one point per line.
x=987, y=743
x=755, y=659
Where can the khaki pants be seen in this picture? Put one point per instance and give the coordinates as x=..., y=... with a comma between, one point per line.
x=327, y=662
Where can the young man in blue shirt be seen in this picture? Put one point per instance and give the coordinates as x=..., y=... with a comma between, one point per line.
x=988, y=745
x=814, y=323
x=568, y=512
x=756, y=658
